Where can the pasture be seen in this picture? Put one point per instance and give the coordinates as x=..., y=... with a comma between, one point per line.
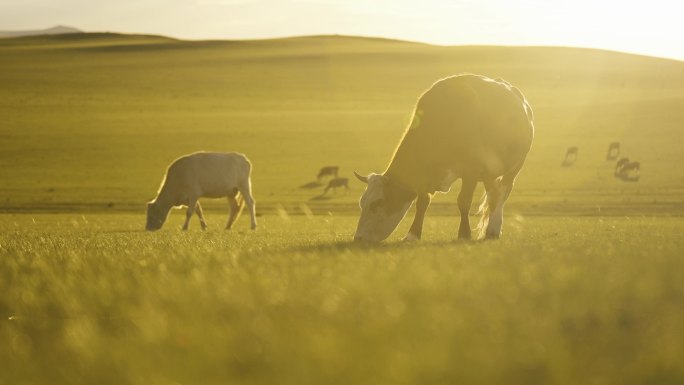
x=586, y=286
x=89, y=123
x=94, y=299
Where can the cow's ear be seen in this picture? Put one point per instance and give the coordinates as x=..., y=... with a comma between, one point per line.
x=363, y=179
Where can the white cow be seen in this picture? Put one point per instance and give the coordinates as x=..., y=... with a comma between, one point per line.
x=203, y=175
x=466, y=126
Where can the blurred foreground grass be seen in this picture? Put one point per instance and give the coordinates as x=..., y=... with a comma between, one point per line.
x=94, y=300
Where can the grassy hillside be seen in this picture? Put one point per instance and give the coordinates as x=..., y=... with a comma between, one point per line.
x=90, y=121
x=56, y=30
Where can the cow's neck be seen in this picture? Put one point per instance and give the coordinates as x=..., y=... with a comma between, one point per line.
x=166, y=198
x=407, y=167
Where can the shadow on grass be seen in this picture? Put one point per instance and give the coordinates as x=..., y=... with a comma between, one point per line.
x=123, y=231
x=311, y=185
x=351, y=246
x=320, y=198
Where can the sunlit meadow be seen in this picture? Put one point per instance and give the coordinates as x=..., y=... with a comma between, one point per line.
x=94, y=299
x=586, y=286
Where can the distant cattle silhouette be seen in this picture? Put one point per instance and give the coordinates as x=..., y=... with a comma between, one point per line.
x=328, y=171
x=335, y=183
x=619, y=165
x=630, y=172
x=570, y=156
x=613, y=151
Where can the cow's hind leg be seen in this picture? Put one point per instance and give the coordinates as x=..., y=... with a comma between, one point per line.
x=416, y=230
x=236, y=205
x=246, y=191
x=498, y=191
x=200, y=214
x=494, y=209
x=465, y=200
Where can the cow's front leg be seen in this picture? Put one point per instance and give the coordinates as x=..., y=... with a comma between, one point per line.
x=416, y=230
x=188, y=212
x=235, y=208
x=465, y=200
x=200, y=214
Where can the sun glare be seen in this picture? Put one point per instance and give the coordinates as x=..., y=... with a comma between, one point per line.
x=637, y=26
x=632, y=26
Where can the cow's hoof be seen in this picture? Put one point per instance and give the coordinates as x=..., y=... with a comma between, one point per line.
x=410, y=237
x=462, y=237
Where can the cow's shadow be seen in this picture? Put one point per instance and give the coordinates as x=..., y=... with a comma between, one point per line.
x=311, y=185
x=349, y=245
x=628, y=178
x=321, y=198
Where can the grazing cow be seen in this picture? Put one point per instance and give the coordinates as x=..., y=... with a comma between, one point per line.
x=613, y=151
x=570, y=156
x=466, y=126
x=619, y=165
x=327, y=171
x=630, y=172
x=335, y=183
x=203, y=175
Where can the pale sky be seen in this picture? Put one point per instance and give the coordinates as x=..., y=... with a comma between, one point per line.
x=653, y=27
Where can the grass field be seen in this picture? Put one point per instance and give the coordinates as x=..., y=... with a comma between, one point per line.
x=586, y=286
x=89, y=122
x=93, y=299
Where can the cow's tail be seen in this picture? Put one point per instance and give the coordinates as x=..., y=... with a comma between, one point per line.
x=483, y=212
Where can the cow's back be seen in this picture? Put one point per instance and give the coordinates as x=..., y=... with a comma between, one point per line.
x=209, y=174
x=475, y=122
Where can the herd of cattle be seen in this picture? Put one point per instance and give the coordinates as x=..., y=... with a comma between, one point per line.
x=625, y=169
x=467, y=127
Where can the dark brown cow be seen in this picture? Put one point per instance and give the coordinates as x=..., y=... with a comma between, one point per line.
x=613, y=151
x=630, y=172
x=328, y=171
x=335, y=183
x=619, y=165
x=570, y=156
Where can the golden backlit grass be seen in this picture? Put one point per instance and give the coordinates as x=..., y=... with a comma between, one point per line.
x=94, y=299
x=88, y=124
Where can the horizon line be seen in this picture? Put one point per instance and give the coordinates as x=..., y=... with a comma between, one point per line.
x=341, y=35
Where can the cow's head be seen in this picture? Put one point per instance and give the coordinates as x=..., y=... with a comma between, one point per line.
x=156, y=215
x=383, y=205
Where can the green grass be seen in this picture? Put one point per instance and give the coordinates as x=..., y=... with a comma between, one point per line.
x=582, y=289
x=94, y=299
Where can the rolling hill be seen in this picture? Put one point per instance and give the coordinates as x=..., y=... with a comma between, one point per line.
x=90, y=121
x=56, y=30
